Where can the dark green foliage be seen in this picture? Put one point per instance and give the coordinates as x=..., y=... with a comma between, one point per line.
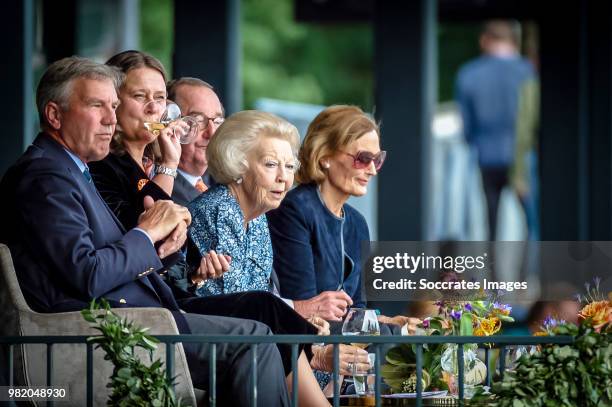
x=133, y=383
x=304, y=62
x=562, y=376
x=157, y=30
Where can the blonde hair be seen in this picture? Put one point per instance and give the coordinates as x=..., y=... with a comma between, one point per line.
x=333, y=128
x=238, y=135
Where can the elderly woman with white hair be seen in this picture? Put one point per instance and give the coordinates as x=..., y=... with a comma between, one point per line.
x=253, y=157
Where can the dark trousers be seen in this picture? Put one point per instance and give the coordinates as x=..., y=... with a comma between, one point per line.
x=493, y=182
x=260, y=306
x=233, y=366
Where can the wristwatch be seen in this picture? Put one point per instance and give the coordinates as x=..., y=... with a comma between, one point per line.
x=160, y=169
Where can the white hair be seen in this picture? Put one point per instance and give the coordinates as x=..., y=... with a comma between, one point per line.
x=238, y=135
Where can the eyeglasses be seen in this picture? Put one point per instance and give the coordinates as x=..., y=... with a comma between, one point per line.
x=363, y=159
x=203, y=120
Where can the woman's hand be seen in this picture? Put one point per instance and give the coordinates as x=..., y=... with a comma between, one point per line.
x=212, y=265
x=169, y=144
x=321, y=325
x=323, y=359
x=401, y=321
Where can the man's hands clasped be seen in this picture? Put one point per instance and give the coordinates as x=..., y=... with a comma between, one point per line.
x=165, y=222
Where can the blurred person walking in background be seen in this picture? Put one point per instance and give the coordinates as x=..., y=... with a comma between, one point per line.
x=488, y=90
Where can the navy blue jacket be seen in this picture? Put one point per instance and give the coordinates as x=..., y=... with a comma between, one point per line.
x=66, y=244
x=314, y=249
x=487, y=91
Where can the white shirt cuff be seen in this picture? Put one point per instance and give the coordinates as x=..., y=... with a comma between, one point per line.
x=288, y=302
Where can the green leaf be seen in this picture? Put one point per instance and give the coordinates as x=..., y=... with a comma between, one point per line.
x=124, y=373
x=465, y=324
x=400, y=354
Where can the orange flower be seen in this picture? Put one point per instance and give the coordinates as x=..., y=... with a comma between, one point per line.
x=599, y=311
x=141, y=183
x=487, y=326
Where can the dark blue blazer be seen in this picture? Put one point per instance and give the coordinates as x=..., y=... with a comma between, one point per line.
x=314, y=250
x=66, y=244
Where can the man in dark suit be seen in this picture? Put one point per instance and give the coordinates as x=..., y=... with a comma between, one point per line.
x=195, y=98
x=68, y=247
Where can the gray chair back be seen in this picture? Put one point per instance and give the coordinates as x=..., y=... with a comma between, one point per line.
x=69, y=360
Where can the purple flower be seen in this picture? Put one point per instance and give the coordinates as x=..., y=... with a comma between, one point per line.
x=468, y=306
x=456, y=314
x=550, y=322
x=502, y=307
x=426, y=323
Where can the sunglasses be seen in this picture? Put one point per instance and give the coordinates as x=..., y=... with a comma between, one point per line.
x=363, y=159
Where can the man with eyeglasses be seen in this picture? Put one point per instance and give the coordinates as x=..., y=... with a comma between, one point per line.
x=198, y=99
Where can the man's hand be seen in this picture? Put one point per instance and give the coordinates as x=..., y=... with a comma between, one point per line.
x=164, y=220
x=329, y=305
x=174, y=241
x=212, y=265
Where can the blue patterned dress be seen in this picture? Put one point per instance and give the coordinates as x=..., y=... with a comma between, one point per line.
x=217, y=224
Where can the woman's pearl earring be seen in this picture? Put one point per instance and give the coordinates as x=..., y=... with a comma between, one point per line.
x=325, y=165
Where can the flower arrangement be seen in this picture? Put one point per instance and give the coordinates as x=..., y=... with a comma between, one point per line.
x=579, y=374
x=440, y=367
x=596, y=308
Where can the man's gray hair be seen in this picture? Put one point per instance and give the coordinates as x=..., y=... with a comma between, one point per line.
x=174, y=84
x=56, y=83
x=187, y=81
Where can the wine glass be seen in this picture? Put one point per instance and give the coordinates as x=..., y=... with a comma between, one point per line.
x=162, y=116
x=361, y=321
x=358, y=322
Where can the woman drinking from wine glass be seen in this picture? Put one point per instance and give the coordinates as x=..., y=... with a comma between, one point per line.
x=141, y=162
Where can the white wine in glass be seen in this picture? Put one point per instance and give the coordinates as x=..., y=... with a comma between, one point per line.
x=360, y=322
x=154, y=126
x=172, y=113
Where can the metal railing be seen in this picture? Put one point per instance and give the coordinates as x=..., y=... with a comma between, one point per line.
x=294, y=340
